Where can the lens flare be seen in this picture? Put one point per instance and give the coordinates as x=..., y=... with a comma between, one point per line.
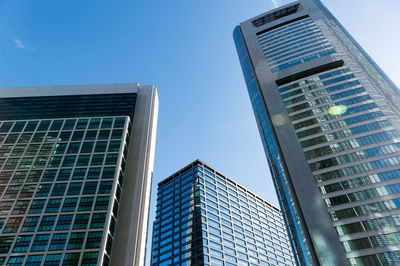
x=337, y=110
x=279, y=120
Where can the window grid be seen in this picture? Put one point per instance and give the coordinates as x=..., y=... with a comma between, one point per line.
x=317, y=95
x=309, y=48
x=30, y=193
x=199, y=193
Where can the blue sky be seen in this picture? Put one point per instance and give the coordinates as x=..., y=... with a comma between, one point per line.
x=184, y=48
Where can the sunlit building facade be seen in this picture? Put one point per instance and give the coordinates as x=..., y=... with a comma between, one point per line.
x=203, y=218
x=329, y=121
x=76, y=165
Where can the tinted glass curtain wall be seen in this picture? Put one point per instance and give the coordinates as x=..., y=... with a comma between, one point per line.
x=203, y=218
x=329, y=121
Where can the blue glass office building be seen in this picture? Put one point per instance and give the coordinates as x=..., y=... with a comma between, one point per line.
x=73, y=162
x=329, y=121
x=203, y=218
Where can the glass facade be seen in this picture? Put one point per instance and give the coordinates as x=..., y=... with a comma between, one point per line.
x=341, y=114
x=365, y=145
x=60, y=183
x=294, y=43
x=67, y=106
x=272, y=153
x=203, y=218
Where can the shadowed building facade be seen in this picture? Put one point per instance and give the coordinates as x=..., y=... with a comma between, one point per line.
x=328, y=118
x=76, y=165
x=204, y=218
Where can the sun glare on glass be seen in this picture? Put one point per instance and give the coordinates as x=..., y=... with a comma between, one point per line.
x=337, y=110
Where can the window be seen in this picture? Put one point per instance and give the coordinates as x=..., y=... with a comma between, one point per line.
x=76, y=240
x=94, y=123
x=60, y=148
x=55, y=161
x=111, y=159
x=94, y=173
x=18, y=150
x=58, y=242
x=69, y=124
x=81, y=221
x=32, y=149
x=11, y=139
x=91, y=134
x=114, y=146
x=5, y=243
x=12, y=225
x=119, y=122
x=78, y=135
x=90, y=258
x=98, y=220
x=107, y=123
x=64, y=174
x=5, y=150
x=79, y=173
x=37, y=206
x=45, y=150
x=31, y=126
x=43, y=190
x=47, y=223
x=52, y=259
x=105, y=187
x=97, y=159
x=53, y=205
x=83, y=160
x=108, y=173
x=74, y=188
x=69, y=161
x=15, y=261
x=101, y=203
x=87, y=147
x=22, y=244
x=5, y=207
x=34, y=260
x=34, y=175
x=71, y=259
x=216, y=262
x=30, y=224
x=101, y=146
x=90, y=188
x=64, y=222
x=26, y=163
x=20, y=207
x=69, y=204
x=82, y=123
x=94, y=239
x=40, y=243
x=104, y=134
x=12, y=192
x=85, y=204
x=49, y=175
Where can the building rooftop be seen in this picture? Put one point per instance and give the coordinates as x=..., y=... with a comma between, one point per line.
x=199, y=162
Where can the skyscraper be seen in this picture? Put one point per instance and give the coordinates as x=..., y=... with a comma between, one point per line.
x=203, y=218
x=328, y=118
x=76, y=165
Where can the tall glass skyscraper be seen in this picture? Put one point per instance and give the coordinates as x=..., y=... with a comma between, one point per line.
x=203, y=218
x=329, y=120
x=76, y=165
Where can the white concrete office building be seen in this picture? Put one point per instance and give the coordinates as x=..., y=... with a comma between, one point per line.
x=76, y=165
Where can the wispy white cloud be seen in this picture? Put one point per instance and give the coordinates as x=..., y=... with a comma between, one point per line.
x=21, y=45
x=275, y=3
